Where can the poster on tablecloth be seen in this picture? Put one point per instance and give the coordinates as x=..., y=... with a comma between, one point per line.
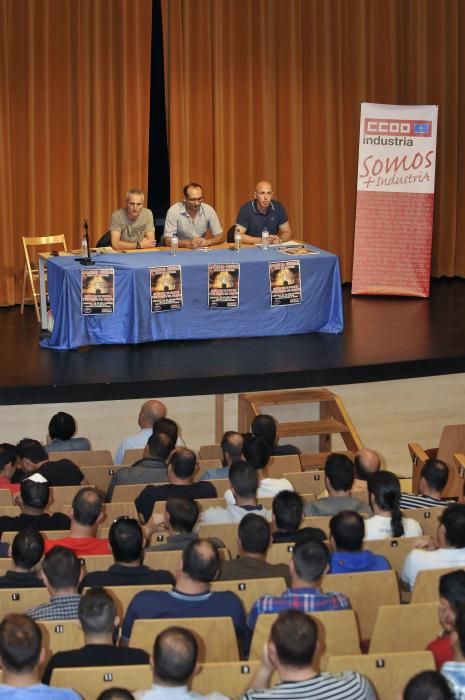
x=166, y=288
x=97, y=291
x=223, y=285
x=285, y=282
x=395, y=200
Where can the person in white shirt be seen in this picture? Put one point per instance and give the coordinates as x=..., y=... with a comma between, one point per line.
x=174, y=663
x=257, y=452
x=243, y=479
x=150, y=411
x=448, y=551
x=387, y=521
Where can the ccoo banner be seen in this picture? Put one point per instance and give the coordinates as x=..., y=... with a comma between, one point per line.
x=395, y=198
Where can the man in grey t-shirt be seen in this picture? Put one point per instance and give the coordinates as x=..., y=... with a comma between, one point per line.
x=133, y=226
x=191, y=219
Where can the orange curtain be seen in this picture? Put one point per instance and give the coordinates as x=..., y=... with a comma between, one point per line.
x=272, y=89
x=74, y=118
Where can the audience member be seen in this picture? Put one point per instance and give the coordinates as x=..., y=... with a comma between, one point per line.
x=243, y=479
x=8, y=458
x=339, y=478
x=86, y=516
x=309, y=563
x=116, y=694
x=427, y=685
x=182, y=468
x=126, y=543
x=257, y=452
x=180, y=516
x=433, y=480
x=60, y=472
x=347, y=530
x=291, y=651
x=451, y=598
x=151, y=468
x=169, y=427
x=387, y=521
x=454, y=671
x=27, y=550
x=61, y=572
x=61, y=431
x=191, y=596
x=150, y=411
x=98, y=618
x=231, y=447
x=266, y=426
x=449, y=551
x=33, y=501
x=366, y=463
x=287, y=516
x=21, y=655
x=174, y=663
x=254, y=537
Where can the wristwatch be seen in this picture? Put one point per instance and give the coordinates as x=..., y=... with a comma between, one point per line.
x=138, y=245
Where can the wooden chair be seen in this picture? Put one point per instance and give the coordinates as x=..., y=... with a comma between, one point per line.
x=394, y=549
x=131, y=456
x=18, y=600
x=97, y=562
x=280, y=553
x=31, y=245
x=115, y=510
x=61, y=635
x=128, y=492
x=85, y=458
x=249, y=590
x=366, y=592
x=231, y=677
x=337, y=633
x=100, y=476
x=206, y=464
x=321, y=521
x=282, y=464
x=227, y=532
x=427, y=517
x=426, y=588
x=61, y=497
x=210, y=452
x=46, y=534
x=6, y=498
x=451, y=442
x=221, y=486
x=311, y=481
x=11, y=510
x=89, y=682
x=388, y=672
x=404, y=627
x=216, y=636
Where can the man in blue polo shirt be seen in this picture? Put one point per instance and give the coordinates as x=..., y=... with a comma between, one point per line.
x=260, y=213
x=191, y=595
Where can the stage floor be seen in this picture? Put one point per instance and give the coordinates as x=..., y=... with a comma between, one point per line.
x=384, y=338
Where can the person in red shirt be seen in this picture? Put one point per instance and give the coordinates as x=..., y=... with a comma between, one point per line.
x=451, y=598
x=86, y=516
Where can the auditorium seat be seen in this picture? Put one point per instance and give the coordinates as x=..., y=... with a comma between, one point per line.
x=427, y=517
x=337, y=634
x=366, y=592
x=394, y=549
x=404, y=627
x=389, y=672
x=129, y=492
x=311, y=481
x=100, y=476
x=451, y=442
x=6, y=499
x=210, y=452
x=89, y=682
x=227, y=533
x=426, y=588
x=215, y=635
x=280, y=464
x=249, y=590
x=131, y=456
x=231, y=678
x=84, y=458
x=61, y=498
x=206, y=464
x=61, y=635
x=18, y=600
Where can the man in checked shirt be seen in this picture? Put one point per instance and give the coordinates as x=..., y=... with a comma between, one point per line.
x=310, y=561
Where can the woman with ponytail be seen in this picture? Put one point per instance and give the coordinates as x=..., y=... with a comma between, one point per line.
x=387, y=521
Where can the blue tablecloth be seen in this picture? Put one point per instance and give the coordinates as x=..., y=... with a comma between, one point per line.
x=133, y=322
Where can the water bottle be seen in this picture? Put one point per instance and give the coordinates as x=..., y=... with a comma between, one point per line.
x=237, y=239
x=265, y=238
x=174, y=244
x=85, y=251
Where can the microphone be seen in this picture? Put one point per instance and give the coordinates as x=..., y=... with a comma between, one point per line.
x=86, y=260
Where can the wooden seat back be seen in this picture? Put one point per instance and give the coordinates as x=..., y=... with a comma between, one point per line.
x=404, y=627
x=89, y=682
x=84, y=458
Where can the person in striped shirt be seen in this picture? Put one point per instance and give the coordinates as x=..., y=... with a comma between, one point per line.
x=291, y=651
x=310, y=561
x=433, y=480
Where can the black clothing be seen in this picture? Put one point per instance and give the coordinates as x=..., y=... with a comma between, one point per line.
x=95, y=655
x=20, y=579
x=146, y=500
x=120, y=575
x=44, y=521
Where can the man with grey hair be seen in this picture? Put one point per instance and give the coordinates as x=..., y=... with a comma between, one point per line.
x=150, y=411
x=133, y=227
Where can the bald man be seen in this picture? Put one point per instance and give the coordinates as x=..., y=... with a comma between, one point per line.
x=263, y=212
x=366, y=462
x=150, y=411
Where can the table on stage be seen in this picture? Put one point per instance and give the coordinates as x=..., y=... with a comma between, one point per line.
x=133, y=321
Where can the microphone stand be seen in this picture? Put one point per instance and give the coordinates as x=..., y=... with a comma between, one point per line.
x=87, y=260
